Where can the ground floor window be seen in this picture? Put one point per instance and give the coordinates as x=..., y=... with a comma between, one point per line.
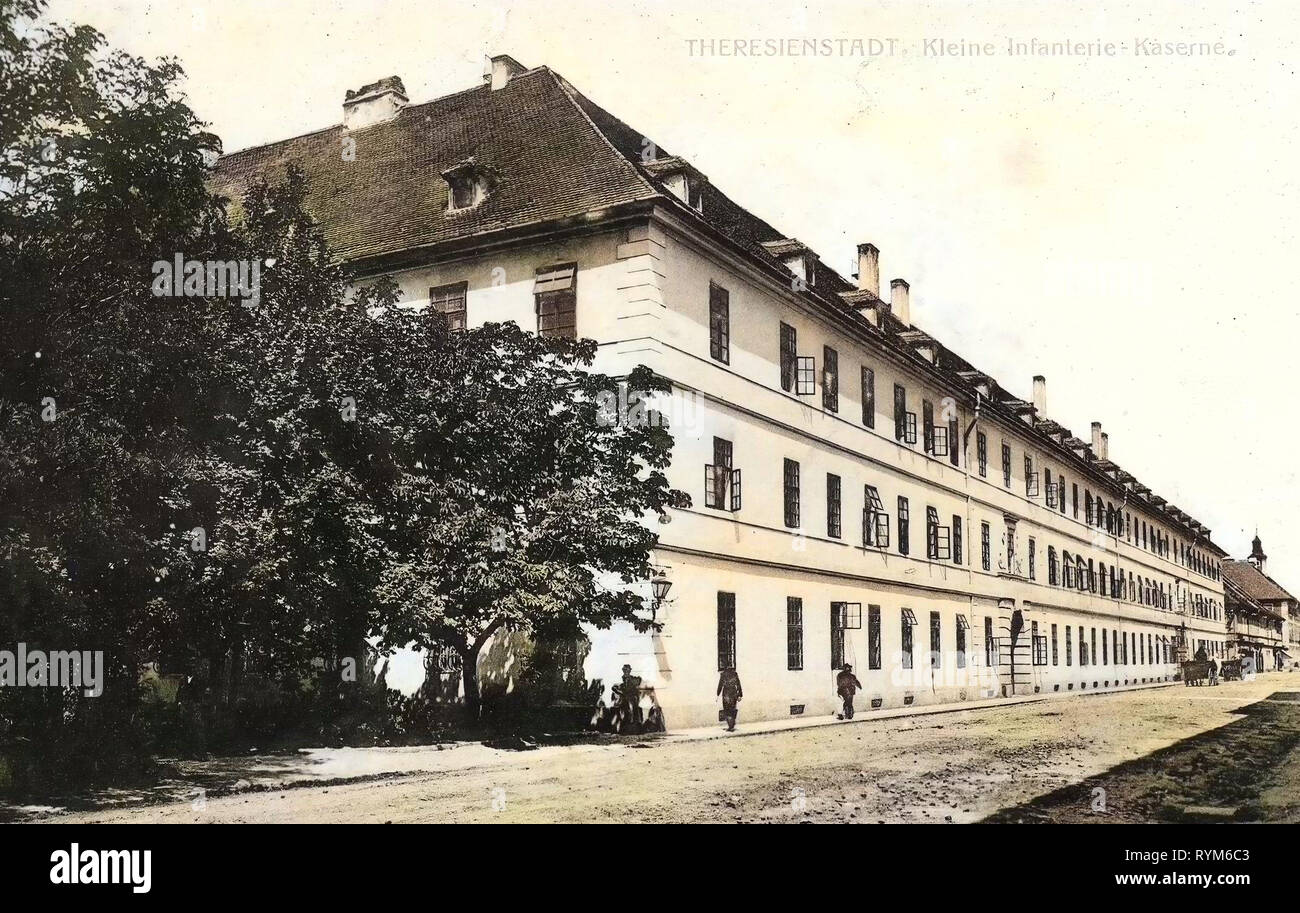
x=962, y=624
x=873, y=637
x=726, y=631
x=793, y=633
x=908, y=623
x=936, y=646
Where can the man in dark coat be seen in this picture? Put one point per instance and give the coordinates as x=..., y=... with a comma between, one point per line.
x=847, y=685
x=731, y=694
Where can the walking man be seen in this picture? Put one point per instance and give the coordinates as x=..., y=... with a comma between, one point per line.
x=731, y=694
x=847, y=684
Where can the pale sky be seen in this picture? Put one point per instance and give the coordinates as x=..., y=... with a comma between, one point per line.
x=1121, y=224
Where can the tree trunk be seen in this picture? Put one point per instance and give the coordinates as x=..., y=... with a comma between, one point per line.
x=469, y=677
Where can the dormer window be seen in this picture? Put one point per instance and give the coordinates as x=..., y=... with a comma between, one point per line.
x=682, y=181
x=469, y=184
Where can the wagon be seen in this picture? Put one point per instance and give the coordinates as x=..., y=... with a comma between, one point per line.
x=1195, y=672
x=1231, y=670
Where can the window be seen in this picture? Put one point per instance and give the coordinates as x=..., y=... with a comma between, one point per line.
x=873, y=637
x=721, y=482
x=900, y=413
x=1033, y=573
x=904, y=521
x=938, y=545
x=844, y=615
x=1074, y=488
x=789, y=357
x=909, y=428
x=953, y=438
x=962, y=625
x=1105, y=654
x=1069, y=647
x=806, y=375
x=1087, y=500
x=936, y=645
x=1031, y=478
x=793, y=633
x=449, y=301
x=726, y=631
x=986, y=548
x=927, y=425
x=1114, y=645
x=982, y=453
x=830, y=379
x=958, y=555
x=555, y=295
x=1055, y=655
x=1061, y=493
x=990, y=644
x=719, y=323
x=909, y=622
x=868, y=397
x=1092, y=645
x=1053, y=572
x=791, y=494
x=1039, y=644
x=1006, y=465
x=1049, y=488
x=875, y=522
x=833, y=506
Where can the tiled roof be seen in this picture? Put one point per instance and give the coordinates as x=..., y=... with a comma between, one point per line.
x=1254, y=583
x=550, y=162
x=557, y=155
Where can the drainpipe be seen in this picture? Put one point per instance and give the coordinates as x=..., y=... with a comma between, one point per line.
x=970, y=527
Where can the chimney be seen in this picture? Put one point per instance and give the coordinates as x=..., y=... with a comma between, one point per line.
x=1040, y=395
x=869, y=268
x=1105, y=446
x=898, y=301
x=1096, y=440
x=374, y=103
x=501, y=69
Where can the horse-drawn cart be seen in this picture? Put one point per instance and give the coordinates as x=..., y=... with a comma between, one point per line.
x=1230, y=671
x=1196, y=672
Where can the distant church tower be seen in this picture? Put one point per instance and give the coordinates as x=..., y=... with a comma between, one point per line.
x=1257, y=556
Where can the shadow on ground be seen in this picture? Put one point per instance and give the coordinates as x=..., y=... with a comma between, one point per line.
x=1248, y=770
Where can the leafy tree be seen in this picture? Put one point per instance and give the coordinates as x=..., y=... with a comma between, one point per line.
x=518, y=502
x=102, y=169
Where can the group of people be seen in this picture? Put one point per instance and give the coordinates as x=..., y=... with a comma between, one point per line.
x=624, y=715
x=729, y=690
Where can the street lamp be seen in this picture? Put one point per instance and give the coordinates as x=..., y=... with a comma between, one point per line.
x=659, y=586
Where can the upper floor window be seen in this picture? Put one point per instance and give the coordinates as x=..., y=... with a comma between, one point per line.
x=982, y=453
x=449, y=301
x=875, y=522
x=833, y=511
x=830, y=379
x=789, y=357
x=791, y=494
x=1006, y=464
x=900, y=412
x=719, y=323
x=721, y=481
x=986, y=547
x=904, y=526
x=555, y=293
x=868, y=397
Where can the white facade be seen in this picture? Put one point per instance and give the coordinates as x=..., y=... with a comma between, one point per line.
x=643, y=291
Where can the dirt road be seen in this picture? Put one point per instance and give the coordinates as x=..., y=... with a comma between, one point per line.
x=1154, y=752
